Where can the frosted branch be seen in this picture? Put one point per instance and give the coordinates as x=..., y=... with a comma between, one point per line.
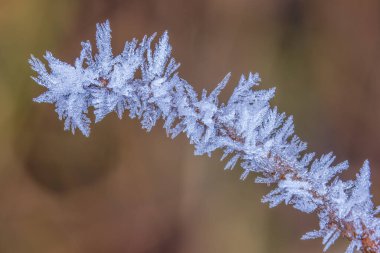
x=144, y=82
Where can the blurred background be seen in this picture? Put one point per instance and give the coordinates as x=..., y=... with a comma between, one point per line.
x=123, y=190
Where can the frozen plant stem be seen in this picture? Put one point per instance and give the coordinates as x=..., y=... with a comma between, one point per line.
x=145, y=83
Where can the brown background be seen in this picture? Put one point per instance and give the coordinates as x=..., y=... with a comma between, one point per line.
x=123, y=190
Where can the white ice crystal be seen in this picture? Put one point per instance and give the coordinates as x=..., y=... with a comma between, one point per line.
x=144, y=82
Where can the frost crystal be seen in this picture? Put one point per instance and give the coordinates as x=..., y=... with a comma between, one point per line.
x=144, y=82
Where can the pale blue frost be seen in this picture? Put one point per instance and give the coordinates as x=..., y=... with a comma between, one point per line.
x=144, y=82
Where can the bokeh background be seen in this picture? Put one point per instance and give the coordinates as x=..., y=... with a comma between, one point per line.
x=123, y=190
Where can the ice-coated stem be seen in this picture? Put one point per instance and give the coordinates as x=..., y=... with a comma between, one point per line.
x=144, y=82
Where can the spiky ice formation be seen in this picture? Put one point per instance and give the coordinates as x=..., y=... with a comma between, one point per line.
x=145, y=83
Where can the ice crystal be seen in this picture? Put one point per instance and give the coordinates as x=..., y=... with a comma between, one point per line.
x=144, y=82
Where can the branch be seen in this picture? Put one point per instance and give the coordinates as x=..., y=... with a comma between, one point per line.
x=145, y=83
